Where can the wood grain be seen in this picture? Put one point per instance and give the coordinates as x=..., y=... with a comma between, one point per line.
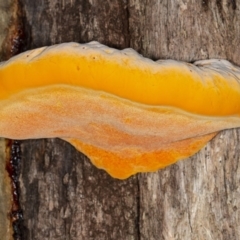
x=5, y=194
x=195, y=198
x=69, y=198
x=64, y=197
x=10, y=44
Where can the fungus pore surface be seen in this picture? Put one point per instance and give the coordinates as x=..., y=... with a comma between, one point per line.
x=128, y=114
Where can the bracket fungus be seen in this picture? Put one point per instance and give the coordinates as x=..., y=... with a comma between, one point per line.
x=128, y=114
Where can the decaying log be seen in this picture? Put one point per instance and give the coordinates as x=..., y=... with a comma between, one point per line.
x=64, y=197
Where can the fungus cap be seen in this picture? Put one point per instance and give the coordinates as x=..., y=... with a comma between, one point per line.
x=128, y=114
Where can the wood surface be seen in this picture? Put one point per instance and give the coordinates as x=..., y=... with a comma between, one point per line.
x=5, y=185
x=5, y=194
x=63, y=196
x=10, y=44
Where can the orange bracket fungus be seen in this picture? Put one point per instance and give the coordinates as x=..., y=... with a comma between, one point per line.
x=128, y=114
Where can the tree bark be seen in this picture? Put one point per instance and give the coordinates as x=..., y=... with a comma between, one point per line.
x=10, y=44
x=5, y=194
x=197, y=198
x=70, y=198
x=64, y=197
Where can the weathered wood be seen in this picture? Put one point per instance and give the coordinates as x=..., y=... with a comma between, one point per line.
x=5, y=185
x=197, y=198
x=11, y=29
x=10, y=44
x=185, y=30
x=51, y=22
x=5, y=195
x=63, y=195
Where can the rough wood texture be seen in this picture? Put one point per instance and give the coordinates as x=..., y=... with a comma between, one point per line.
x=5, y=13
x=5, y=194
x=5, y=189
x=197, y=198
x=65, y=197
x=10, y=42
x=185, y=30
x=11, y=28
